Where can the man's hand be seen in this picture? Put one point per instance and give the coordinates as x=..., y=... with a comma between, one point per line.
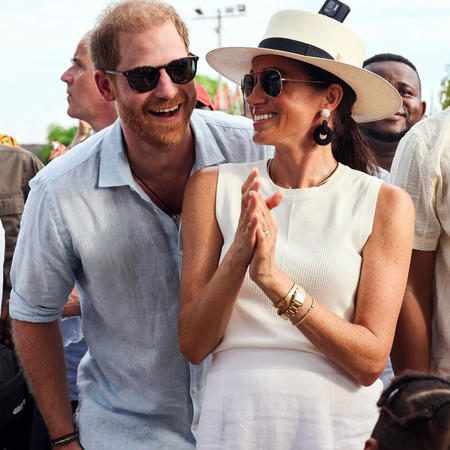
x=5, y=324
x=72, y=307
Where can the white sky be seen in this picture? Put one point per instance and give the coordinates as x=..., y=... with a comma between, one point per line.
x=38, y=37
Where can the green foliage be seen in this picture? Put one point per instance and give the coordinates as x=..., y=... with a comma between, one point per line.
x=444, y=93
x=211, y=87
x=209, y=84
x=60, y=134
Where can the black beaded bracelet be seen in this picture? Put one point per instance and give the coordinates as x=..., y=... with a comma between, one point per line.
x=64, y=440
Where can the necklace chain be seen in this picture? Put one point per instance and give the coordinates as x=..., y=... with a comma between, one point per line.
x=331, y=172
x=154, y=193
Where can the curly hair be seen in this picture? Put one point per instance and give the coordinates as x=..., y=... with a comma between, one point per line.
x=349, y=145
x=415, y=413
x=128, y=16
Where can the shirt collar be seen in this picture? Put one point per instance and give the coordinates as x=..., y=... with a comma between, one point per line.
x=207, y=152
x=114, y=167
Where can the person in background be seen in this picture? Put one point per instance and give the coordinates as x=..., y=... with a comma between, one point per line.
x=17, y=167
x=203, y=99
x=107, y=214
x=83, y=98
x=422, y=168
x=414, y=415
x=384, y=135
x=311, y=237
x=83, y=131
x=85, y=103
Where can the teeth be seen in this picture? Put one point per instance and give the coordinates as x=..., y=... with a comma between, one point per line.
x=174, y=108
x=263, y=116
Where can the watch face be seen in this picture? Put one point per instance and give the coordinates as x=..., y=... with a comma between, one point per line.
x=301, y=300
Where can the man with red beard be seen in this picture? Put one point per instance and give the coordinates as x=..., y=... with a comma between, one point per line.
x=107, y=215
x=384, y=135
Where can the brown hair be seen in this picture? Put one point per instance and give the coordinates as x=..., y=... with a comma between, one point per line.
x=415, y=413
x=128, y=16
x=349, y=145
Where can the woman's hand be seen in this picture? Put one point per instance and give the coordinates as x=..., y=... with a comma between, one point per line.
x=262, y=266
x=244, y=243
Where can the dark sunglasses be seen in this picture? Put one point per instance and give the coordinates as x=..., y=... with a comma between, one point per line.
x=270, y=80
x=144, y=79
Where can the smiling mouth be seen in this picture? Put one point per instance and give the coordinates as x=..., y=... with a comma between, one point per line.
x=257, y=118
x=166, y=112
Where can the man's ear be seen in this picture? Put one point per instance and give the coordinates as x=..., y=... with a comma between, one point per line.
x=424, y=108
x=104, y=86
x=371, y=444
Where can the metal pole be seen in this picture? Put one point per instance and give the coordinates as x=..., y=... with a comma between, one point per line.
x=219, y=32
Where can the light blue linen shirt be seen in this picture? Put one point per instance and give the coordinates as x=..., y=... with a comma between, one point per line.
x=86, y=218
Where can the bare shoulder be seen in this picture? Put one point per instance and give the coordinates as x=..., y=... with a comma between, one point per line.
x=393, y=200
x=394, y=211
x=204, y=177
x=200, y=186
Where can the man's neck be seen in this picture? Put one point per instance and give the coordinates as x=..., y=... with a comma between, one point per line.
x=164, y=171
x=384, y=152
x=101, y=121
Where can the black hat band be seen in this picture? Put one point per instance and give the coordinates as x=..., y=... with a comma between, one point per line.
x=291, y=46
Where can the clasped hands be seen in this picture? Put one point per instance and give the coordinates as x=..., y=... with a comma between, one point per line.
x=255, y=238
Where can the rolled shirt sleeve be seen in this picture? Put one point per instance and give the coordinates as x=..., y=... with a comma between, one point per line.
x=43, y=262
x=420, y=167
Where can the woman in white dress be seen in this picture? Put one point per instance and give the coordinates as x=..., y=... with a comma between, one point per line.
x=311, y=238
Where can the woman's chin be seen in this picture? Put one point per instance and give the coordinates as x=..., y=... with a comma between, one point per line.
x=261, y=138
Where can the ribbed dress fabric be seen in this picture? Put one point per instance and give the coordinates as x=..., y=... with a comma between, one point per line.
x=269, y=387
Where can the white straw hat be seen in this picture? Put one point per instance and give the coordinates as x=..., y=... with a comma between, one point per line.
x=322, y=42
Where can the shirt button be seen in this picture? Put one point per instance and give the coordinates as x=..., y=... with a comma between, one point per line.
x=180, y=252
x=196, y=428
x=195, y=389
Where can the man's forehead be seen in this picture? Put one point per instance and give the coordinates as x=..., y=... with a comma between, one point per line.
x=82, y=52
x=400, y=70
x=156, y=45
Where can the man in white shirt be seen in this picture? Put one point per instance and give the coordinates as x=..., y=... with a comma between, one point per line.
x=422, y=167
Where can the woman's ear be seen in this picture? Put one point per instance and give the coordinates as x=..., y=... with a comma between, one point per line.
x=104, y=86
x=334, y=94
x=371, y=444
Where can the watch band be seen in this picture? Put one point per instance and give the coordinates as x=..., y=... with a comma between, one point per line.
x=297, y=302
x=287, y=297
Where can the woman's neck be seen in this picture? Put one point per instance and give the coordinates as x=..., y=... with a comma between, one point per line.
x=300, y=169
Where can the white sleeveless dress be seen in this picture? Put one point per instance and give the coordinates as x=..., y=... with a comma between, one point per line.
x=269, y=387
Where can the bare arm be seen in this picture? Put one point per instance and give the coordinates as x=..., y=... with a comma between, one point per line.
x=208, y=292
x=361, y=347
x=412, y=343
x=72, y=307
x=202, y=323
x=40, y=349
x=82, y=131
